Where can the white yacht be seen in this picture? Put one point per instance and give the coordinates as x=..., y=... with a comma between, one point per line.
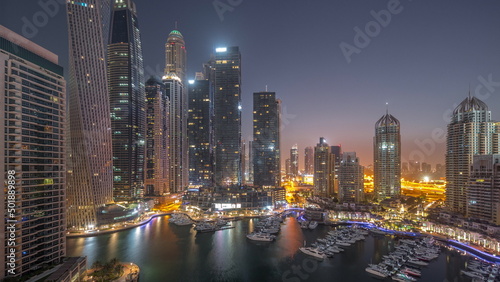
x=263, y=237
x=313, y=252
x=313, y=224
x=377, y=271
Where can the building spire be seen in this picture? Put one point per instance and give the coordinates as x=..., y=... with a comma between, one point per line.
x=266, y=88
x=175, y=25
x=386, y=108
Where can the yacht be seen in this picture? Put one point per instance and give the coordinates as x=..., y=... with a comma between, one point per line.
x=412, y=271
x=313, y=225
x=472, y=274
x=263, y=237
x=313, y=252
x=417, y=262
x=403, y=277
x=377, y=271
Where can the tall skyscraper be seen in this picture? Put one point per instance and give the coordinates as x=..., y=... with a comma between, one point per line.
x=387, y=158
x=483, y=190
x=323, y=168
x=90, y=165
x=178, y=151
x=294, y=158
x=227, y=116
x=200, y=132
x=250, y=161
x=176, y=55
x=309, y=160
x=266, y=139
x=127, y=102
x=470, y=132
x=351, y=185
x=33, y=150
x=157, y=166
x=336, y=151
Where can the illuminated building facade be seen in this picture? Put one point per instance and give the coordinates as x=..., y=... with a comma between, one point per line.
x=351, y=179
x=90, y=165
x=294, y=158
x=483, y=191
x=33, y=149
x=178, y=150
x=323, y=167
x=387, y=158
x=309, y=160
x=227, y=116
x=157, y=166
x=266, y=140
x=127, y=102
x=200, y=132
x=470, y=132
x=176, y=55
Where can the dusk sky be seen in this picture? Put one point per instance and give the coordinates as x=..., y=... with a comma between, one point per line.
x=422, y=62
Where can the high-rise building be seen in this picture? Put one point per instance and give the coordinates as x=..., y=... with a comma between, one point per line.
x=176, y=55
x=470, y=132
x=157, y=161
x=294, y=158
x=227, y=115
x=90, y=164
x=336, y=151
x=178, y=151
x=243, y=161
x=483, y=191
x=127, y=102
x=288, y=167
x=387, y=158
x=323, y=168
x=309, y=160
x=351, y=185
x=250, y=162
x=266, y=140
x=33, y=150
x=415, y=166
x=200, y=132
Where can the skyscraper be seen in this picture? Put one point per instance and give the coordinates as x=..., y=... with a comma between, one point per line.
x=250, y=162
x=33, y=150
x=200, y=132
x=157, y=161
x=294, y=158
x=483, y=190
x=90, y=165
x=266, y=142
x=323, y=168
x=127, y=102
x=176, y=55
x=227, y=116
x=351, y=186
x=178, y=151
x=309, y=160
x=336, y=151
x=470, y=132
x=387, y=158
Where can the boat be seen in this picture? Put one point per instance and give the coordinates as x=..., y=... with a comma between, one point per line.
x=313, y=224
x=206, y=227
x=304, y=225
x=403, y=277
x=377, y=271
x=263, y=237
x=342, y=243
x=313, y=252
x=412, y=271
x=417, y=262
x=471, y=274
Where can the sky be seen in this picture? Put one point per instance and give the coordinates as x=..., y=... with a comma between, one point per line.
x=334, y=64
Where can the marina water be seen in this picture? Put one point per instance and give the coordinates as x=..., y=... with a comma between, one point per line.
x=166, y=252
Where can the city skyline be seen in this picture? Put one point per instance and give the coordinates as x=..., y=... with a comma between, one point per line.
x=437, y=83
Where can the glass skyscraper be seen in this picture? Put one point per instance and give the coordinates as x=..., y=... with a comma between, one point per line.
x=127, y=102
x=387, y=158
x=200, y=132
x=266, y=140
x=470, y=132
x=33, y=150
x=227, y=115
x=157, y=138
x=90, y=166
x=351, y=185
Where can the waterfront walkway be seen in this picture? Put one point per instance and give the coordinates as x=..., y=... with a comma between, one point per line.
x=118, y=229
x=130, y=273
